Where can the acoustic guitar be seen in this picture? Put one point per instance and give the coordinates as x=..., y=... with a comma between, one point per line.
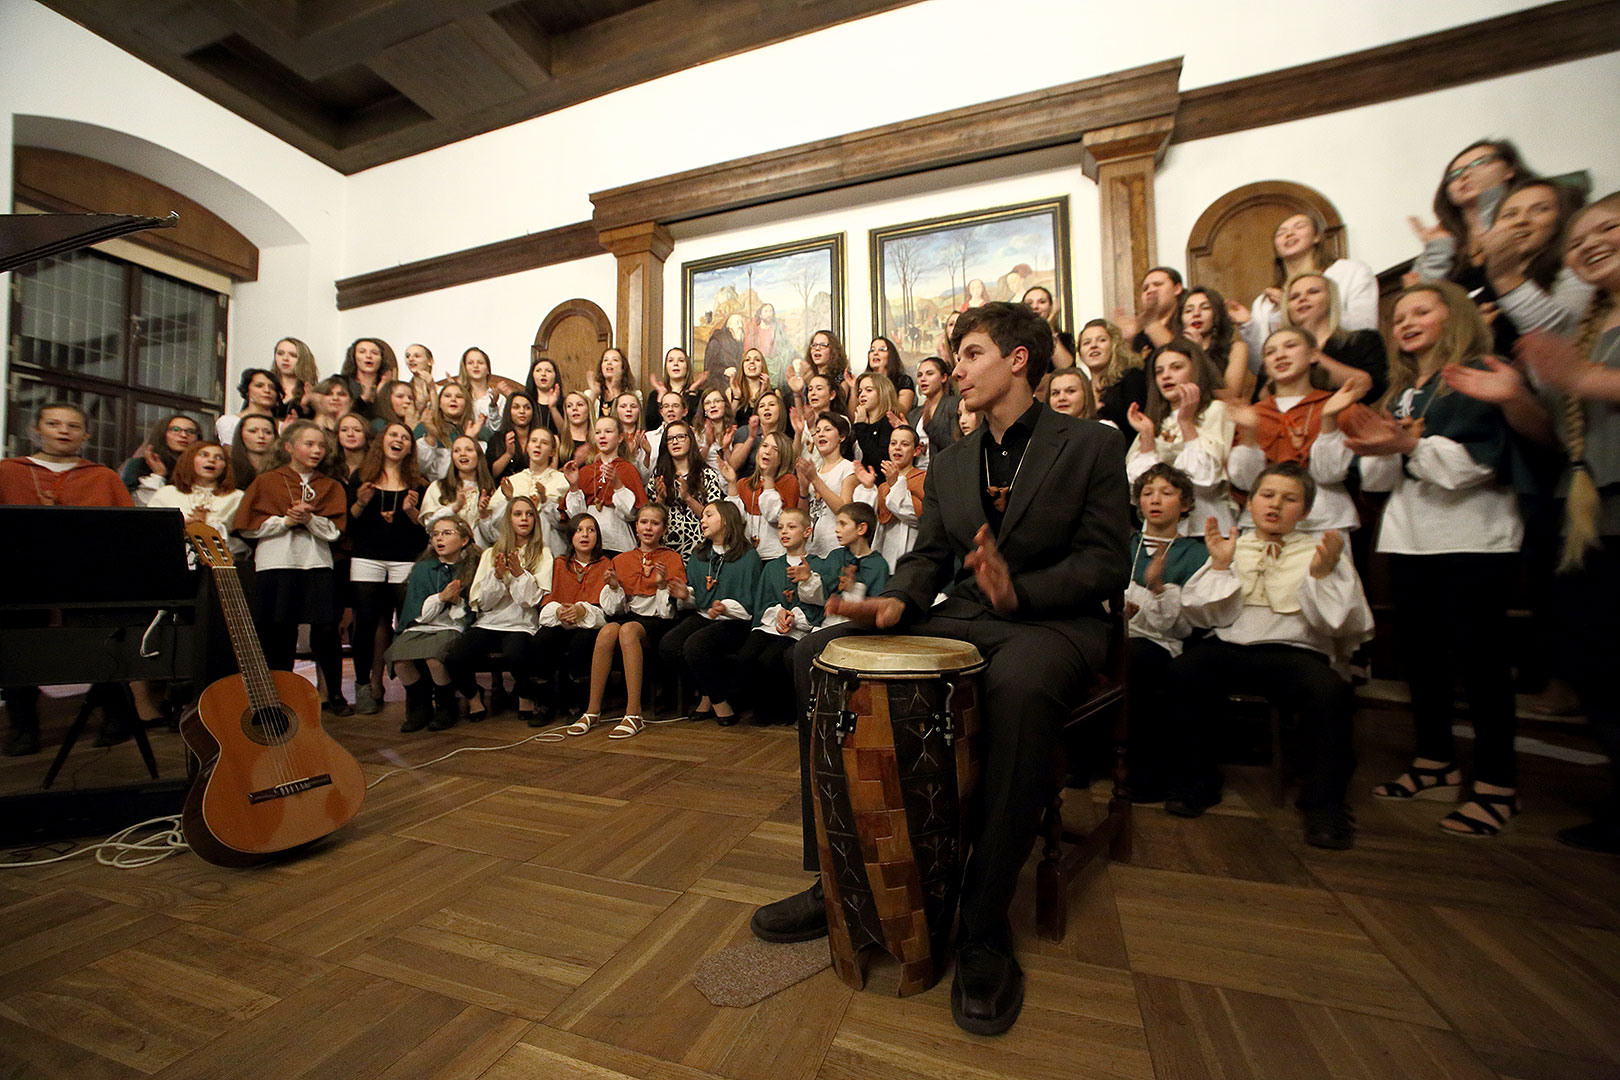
x=271, y=779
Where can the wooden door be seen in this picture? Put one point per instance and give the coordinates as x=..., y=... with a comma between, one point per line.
x=573, y=337
x=1230, y=249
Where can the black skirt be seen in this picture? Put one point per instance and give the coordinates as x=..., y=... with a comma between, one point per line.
x=298, y=596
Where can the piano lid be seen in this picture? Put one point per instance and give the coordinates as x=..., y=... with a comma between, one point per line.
x=26, y=238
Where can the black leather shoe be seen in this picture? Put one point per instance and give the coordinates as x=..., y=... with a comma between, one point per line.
x=801, y=917
x=988, y=989
x=1330, y=827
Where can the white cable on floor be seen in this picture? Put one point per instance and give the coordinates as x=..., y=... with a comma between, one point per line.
x=127, y=854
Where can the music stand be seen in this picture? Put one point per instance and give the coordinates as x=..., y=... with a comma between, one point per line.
x=97, y=578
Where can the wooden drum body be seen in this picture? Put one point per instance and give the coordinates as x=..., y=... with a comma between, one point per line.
x=894, y=770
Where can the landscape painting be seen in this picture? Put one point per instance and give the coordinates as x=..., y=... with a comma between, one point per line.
x=772, y=299
x=924, y=270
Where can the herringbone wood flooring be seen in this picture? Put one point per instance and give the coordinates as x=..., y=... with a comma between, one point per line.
x=537, y=912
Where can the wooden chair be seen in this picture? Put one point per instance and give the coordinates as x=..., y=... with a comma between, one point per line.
x=1112, y=834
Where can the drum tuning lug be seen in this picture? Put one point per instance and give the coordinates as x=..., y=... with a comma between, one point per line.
x=947, y=726
x=846, y=723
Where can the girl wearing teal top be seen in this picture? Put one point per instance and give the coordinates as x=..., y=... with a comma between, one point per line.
x=722, y=585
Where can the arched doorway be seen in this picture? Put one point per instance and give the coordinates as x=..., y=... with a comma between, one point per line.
x=573, y=336
x=1230, y=244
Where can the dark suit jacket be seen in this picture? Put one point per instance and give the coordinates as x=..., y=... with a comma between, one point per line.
x=1065, y=536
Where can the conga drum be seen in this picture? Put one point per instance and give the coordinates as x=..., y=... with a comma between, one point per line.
x=894, y=768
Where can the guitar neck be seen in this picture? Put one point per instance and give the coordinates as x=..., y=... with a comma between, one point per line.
x=261, y=689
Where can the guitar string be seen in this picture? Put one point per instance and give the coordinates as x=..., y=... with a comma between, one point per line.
x=250, y=662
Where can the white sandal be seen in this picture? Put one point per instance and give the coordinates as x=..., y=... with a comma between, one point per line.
x=584, y=724
x=630, y=725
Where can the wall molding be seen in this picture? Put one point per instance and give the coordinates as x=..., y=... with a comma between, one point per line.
x=1507, y=45
x=562, y=244
x=1537, y=37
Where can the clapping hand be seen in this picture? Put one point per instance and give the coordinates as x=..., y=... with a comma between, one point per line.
x=1186, y=397
x=891, y=470
x=451, y=592
x=364, y=494
x=798, y=572
x=865, y=475
x=1327, y=554
x=299, y=513
x=784, y=621
x=1427, y=234
x=153, y=461
x=611, y=580
x=991, y=573
x=1498, y=384
x=1141, y=423
x=1239, y=313
x=846, y=578
x=1554, y=361
x=717, y=609
x=1221, y=548
x=1153, y=577
x=1384, y=436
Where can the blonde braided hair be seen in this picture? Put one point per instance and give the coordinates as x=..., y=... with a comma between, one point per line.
x=1582, y=503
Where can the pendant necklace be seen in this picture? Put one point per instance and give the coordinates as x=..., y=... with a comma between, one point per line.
x=998, y=493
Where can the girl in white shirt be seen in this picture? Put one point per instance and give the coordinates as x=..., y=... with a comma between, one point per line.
x=513, y=574
x=1185, y=426
x=468, y=491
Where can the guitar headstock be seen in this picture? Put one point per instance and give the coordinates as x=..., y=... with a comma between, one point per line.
x=209, y=545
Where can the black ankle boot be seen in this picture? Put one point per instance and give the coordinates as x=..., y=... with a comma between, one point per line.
x=445, y=709
x=418, y=706
x=800, y=917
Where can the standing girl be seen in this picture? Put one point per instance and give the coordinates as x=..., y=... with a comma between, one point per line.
x=883, y=358
x=1312, y=304
x=353, y=440
x=1117, y=379
x=830, y=485
x=385, y=537
x=1069, y=392
x=682, y=483
x=296, y=376
x=1205, y=322
x=677, y=379
x=875, y=412
x=450, y=419
x=544, y=485
x=260, y=396
x=1452, y=530
x=751, y=379
x=570, y=615
x=468, y=491
x=638, y=591
x=432, y=620
x=296, y=513
x=900, y=495
x=507, y=448
x=333, y=401
x=770, y=418
x=934, y=419
x=576, y=442
x=512, y=577
x=636, y=447
x=1299, y=419
x=1299, y=246
x=154, y=460
x=608, y=488
x=419, y=365
x=203, y=488
x=763, y=496
x=545, y=389
x=484, y=398
x=714, y=429
x=256, y=449
x=368, y=364
x=722, y=583
x=1186, y=427
x=612, y=378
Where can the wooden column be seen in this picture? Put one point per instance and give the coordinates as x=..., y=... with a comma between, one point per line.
x=1122, y=159
x=641, y=251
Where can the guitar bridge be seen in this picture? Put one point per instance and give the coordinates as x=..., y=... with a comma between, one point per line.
x=281, y=791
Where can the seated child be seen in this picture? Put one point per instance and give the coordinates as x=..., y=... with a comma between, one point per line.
x=1286, y=609
x=1162, y=561
x=637, y=597
x=853, y=570
x=571, y=614
x=783, y=615
x=722, y=583
x=432, y=620
x=513, y=574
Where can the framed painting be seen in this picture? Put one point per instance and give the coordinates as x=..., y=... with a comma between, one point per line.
x=772, y=299
x=924, y=270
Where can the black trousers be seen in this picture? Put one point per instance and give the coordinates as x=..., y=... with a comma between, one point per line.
x=479, y=643
x=1033, y=676
x=764, y=664
x=1295, y=679
x=1152, y=717
x=703, y=649
x=1589, y=608
x=374, y=605
x=560, y=653
x=1451, y=622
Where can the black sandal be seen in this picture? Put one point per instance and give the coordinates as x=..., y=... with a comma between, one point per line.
x=1473, y=827
x=1427, y=784
x=483, y=708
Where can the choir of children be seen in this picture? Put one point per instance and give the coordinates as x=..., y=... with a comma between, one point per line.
x=571, y=529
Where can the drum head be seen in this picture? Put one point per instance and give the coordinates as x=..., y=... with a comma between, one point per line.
x=893, y=654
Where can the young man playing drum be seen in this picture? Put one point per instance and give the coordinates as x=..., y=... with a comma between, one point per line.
x=1034, y=506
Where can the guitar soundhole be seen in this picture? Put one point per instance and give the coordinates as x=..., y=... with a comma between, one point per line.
x=269, y=727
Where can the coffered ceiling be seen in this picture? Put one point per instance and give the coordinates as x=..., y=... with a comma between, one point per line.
x=356, y=83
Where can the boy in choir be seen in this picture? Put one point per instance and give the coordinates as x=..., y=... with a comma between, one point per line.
x=898, y=499
x=789, y=607
x=1161, y=563
x=853, y=570
x=54, y=475
x=1286, y=609
x=1026, y=518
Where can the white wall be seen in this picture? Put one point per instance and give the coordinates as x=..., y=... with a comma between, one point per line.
x=64, y=88
x=1380, y=164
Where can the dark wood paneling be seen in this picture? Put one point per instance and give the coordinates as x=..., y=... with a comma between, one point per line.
x=1043, y=118
x=1536, y=37
x=71, y=184
x=559, y=245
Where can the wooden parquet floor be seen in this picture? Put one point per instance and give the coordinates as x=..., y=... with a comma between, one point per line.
x=537, y=912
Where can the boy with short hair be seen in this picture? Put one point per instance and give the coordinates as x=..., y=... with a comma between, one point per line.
x=853, y=570
x=55, y=475
x=1286, y=609
x=897, y=497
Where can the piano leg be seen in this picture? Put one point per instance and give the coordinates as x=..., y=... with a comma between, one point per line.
x=113, y=699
